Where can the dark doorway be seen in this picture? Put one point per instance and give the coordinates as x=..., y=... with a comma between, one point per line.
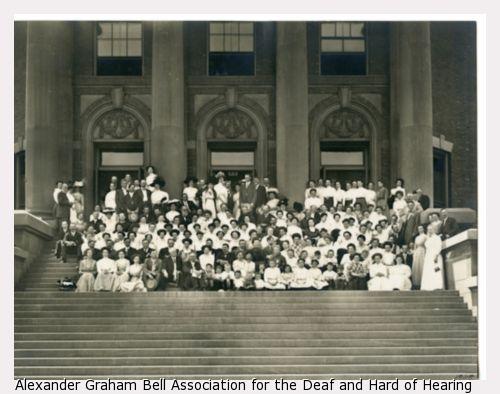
x=442, y=178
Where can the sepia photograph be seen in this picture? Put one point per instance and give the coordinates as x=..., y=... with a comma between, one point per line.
x=235, y=199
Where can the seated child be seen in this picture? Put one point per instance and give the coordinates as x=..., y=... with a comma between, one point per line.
x=302, y=279
x=238, y=281
x=209, y=277
x=227, y=277
x=288, y=276
x=330, y=276
x=272, y=277
x=316, y=276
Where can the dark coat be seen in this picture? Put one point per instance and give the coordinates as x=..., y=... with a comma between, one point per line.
x=120, y=201
x=63, y=206
x=133, y=202
x=248, y=194
x=260, y=196
x=449, y=228
x=424, y=201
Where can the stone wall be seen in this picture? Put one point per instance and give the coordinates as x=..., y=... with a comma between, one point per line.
x=453, y=53
x=31, y=235
x=19, y=78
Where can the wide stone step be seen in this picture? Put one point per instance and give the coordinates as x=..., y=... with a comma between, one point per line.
x=459, y=368
x=257, y=294
x=245, y=327
x=245, y=360
x=190, y=343
x=253, y=352
x=243, y=320
x=247, y=335
x=240, y=312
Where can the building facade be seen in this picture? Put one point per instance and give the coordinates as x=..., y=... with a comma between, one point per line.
x=285, y=100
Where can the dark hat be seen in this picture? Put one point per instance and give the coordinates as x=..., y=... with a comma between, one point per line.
x=162, y=230
x=236, y=231
x=159, y=181
x=298, y=207
x=188, y=240
x=174, y=231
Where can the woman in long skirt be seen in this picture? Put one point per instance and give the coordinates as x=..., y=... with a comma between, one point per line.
x=399, y=275
x=122, y=267
x=135, y=283
x=379, y=274
x=87, y=271
x=432, y=276
x=208, y=199
x=106, y=270
x=418, y=257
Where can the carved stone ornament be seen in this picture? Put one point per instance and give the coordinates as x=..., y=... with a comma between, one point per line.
x=118, y=124
x=231, y=124
x=345, y=124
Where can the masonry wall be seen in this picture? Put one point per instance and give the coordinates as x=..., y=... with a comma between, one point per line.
x=19, y=78
x=453, y=54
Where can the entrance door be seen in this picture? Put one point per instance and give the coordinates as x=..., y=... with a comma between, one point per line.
x=113, y=160
x=235, y=164
x=345, y=161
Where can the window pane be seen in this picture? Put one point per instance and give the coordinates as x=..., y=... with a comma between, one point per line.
x=216, y=28
x=104, y=48
x=246, y=28
x=232, y=159
x=328, y=29
x=354, y=45
x=119, y=30
x=134, y=48
x=104, y=30
x=119, y=47
x=357, y=29
x=342, y=158
x=216, y=43
x=231, y=43
x=328, y=45
x=122, y=158
x=134, y=30
x=231, y=28
x=246, y=43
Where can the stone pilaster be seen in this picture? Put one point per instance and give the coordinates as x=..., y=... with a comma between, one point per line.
x=292, y=135
x=411, y=107
x=168, y=148
x=49, y=111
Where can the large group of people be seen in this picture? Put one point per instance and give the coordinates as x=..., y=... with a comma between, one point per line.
x=247, y=236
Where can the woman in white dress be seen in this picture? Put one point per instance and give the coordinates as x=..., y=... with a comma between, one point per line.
x=399, y=275
x=135, y=283
x=236, y=202
x=208, y=199
x=72, y=212
x=379, y=274
x=122, y=267
x=106, y=270
x=432, y=276
x=87, y=271
x=150, y=177
x=418, y=257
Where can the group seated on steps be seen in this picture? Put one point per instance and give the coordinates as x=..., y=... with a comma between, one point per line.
x=247, y=236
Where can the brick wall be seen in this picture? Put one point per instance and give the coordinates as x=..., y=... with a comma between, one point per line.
x=453, y=52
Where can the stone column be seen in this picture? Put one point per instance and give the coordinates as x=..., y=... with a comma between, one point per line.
x=411, y=96
x=292, y=135
x=168, y=148
x=49, y=111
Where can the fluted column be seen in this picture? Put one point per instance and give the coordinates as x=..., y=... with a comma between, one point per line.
x=168, y=148
x=411, y=95
x=49, y=111
x=292, y=136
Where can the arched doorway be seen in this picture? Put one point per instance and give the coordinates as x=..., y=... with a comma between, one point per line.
x=116, y=142
x=344, y=142
x=231, y=137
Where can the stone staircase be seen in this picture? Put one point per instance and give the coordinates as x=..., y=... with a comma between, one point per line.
x=239, y=335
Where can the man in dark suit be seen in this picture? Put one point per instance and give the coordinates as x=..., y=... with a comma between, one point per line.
x=423, y=199
x=449, y=227
x=120, y=197
x=260, y=194
x=63, y=206
x=133, y=200
x=129, y=250
x=145, y=251
x=72, y=244
x=145, y=195
x=171, y=261
x=248, y=193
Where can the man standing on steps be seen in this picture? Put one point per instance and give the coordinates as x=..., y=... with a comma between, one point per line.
x=449, y=227
x=63, y=206
x=248, y=195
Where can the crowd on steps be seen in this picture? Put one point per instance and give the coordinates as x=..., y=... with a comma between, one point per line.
x=247, y=236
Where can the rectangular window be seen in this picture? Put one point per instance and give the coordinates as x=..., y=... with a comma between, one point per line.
x=231, y=48
x=122, y=158
x=119, y=48
x=442, y=178
x=231, y=159
x=343, y=48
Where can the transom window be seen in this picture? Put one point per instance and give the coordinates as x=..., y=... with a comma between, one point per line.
x=119, y=48
x=343, y=48
x=231, y=48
